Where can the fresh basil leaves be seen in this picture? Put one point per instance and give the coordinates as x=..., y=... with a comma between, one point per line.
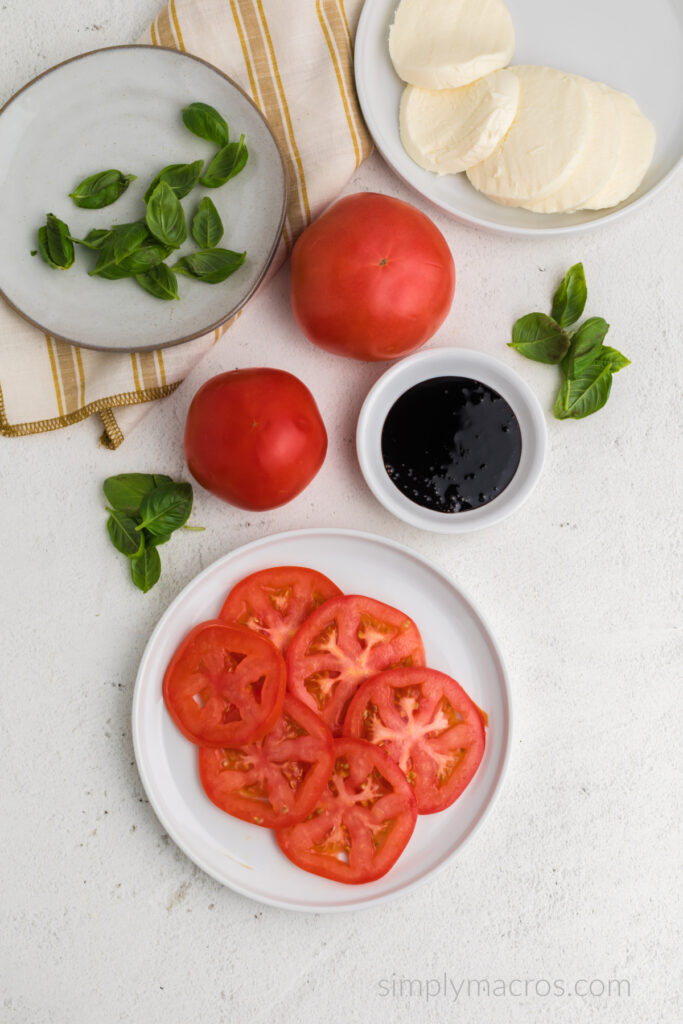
x=101, y=189
x=138, y=250
x=207, y=123
x=144, y=510
x=587, y=365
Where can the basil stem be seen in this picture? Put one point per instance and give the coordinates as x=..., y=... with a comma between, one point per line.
x=54, y=243
x=210, y=265
x=159, y=281
x=228, y=162
x=207, y=123
x=101, y=189
x=207, y=227
x=165, y=217
x=182, y=178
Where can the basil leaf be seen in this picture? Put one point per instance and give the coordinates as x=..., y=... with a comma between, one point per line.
x=125, y=491
x=146, y=568
x=101, y=189
x=227, y=162
x=156, y=541
x=569, y=300
x=128, y=238
x=210, y=265
x=182, y=178
x=166, y=508
x=165, y=217
x=540, y=338
x=612, y=358
x=54, y=243
x=146, y=257
x=161, y=478
x=160, y=282
x=123, y=533
x=585, y=346
x=207, y=227
x=207, y=123
x=95, y=238
x=584, y=394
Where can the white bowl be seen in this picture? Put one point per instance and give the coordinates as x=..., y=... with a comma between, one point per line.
x=453, y=362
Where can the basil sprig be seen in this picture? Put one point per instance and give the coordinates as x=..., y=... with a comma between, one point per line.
x=207, y=226
x=55, y=244
x=586, y=364
x=210, y=265
x=207, y=123
x=144, y=510
x=101, y=189
x=227, y=162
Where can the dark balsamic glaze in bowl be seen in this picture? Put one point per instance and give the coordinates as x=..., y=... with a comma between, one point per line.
x=451, y=444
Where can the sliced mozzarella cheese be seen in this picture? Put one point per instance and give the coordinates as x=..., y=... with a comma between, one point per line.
x=449, y=130
x=545, y=143
x=443, y=44
x=599, y=156
x=636, y=148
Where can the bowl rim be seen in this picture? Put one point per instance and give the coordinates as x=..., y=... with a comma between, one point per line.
x=269, y=259
x=458, y=362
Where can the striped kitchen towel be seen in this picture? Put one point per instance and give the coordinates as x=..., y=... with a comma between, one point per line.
x=294, y=58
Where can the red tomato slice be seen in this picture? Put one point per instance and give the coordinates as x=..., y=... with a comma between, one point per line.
x=362, y=821
x=426, y=722
x=224, y=685
x=275, y=602
x=277, y=780
x=341, y=644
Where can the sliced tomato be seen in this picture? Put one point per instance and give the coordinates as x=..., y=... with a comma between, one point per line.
x=426, y=722
x=224, y=685
x=362, y=821
x=342, y=643
x=276, y=780
x=275, y=602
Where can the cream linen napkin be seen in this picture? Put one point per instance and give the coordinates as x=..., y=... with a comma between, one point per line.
x=294, y=58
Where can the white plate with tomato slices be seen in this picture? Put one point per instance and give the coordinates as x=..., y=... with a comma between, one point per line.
x=457, y=641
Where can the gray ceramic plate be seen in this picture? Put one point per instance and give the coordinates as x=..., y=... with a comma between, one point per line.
x=121, y=107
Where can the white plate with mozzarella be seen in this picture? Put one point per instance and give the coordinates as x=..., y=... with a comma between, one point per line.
x=610, y=42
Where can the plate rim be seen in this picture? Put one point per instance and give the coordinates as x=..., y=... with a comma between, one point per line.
x=501, y=771
x=359, y=68
x=269, y=259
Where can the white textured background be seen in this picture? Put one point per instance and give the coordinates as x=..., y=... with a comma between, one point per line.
x=577, y=873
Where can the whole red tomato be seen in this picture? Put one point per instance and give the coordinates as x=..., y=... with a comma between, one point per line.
x=254, y=437
x=373, y=278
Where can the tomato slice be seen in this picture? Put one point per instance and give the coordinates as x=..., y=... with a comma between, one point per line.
x=224, y=685
x=276, y=780
x=426, y=722
x=341, y=644
x=275, y=602
x=362, y=821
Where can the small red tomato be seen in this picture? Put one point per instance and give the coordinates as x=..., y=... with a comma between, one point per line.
x=372, y=278
x=255, y=437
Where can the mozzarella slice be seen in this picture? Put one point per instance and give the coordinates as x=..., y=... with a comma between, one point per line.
x=599, y=156
x=545, y=143
x=636, y=148
x=443, y=44
x=449, y=130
